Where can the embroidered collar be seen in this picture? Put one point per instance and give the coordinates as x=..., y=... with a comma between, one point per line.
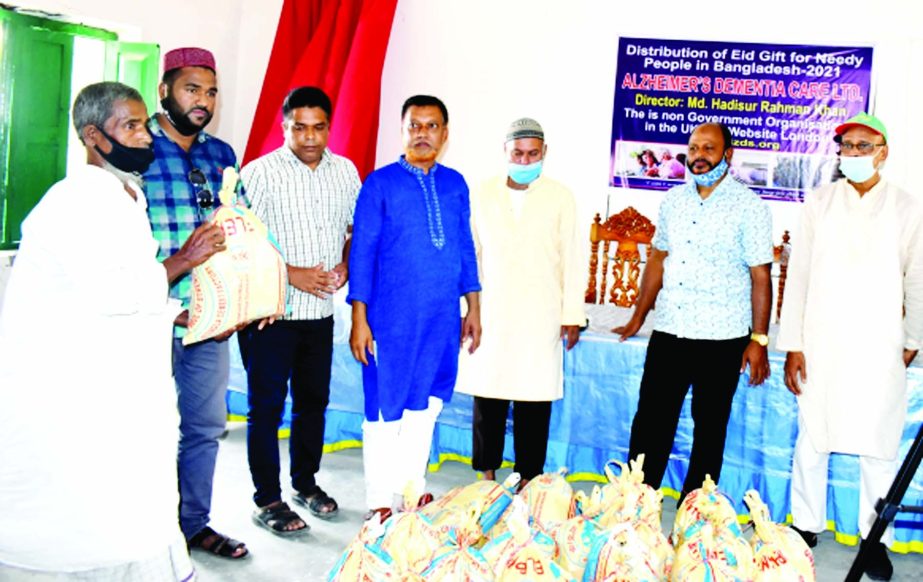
x=433, y=211
x=413, y=169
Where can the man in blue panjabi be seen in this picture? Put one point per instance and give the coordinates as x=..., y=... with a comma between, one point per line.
x=412, y=258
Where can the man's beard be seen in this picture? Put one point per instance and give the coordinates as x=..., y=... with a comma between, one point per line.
x=180, y=119
x=411, y=156
x=125, y=177
x=691, y=166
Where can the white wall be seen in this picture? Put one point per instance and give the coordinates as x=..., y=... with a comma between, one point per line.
x=238, y=32
x=495, y=61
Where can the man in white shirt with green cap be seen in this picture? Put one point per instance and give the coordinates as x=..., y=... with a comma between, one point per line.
x=852, y=321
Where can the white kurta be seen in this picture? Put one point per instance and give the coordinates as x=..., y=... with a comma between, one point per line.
x=531, y=283
x=853, y=302
x=88, y=421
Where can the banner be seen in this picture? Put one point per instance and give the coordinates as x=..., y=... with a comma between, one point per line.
x=781, y=103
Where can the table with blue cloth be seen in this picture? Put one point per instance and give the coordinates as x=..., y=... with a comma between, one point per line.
x=592, y=424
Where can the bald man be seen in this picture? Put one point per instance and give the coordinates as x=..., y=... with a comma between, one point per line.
x=709, y=275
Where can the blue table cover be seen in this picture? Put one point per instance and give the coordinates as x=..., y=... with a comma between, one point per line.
x=591, y=425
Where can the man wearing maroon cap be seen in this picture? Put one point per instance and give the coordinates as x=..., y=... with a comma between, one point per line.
x=852, y=321
x=181, y=186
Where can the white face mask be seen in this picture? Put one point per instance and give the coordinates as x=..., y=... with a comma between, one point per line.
x=858, y=169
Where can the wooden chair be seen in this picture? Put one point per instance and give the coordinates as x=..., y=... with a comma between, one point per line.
x=781, y=254
x=628, y=229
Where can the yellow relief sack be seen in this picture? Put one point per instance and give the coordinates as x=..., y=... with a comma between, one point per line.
x=364, y=559
x=626, y=498
x=779, y=553
x=461, y=560
x=411, y=541
x=489, y=498
x=245, y=282
x=575, y=538
x=629, y=551
x=459, y=563
x=707, y=557
x=550, y=499
x=528, y=563
x=508, y=551
x=701, y=505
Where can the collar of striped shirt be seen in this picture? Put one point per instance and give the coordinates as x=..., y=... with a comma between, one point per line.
x=325, y=158
x=307, y=211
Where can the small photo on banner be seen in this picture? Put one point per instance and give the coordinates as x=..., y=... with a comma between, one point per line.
x=781, y=103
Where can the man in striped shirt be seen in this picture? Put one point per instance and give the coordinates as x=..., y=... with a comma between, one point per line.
x=306, y=195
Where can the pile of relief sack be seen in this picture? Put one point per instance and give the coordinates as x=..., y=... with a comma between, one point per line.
x=485, y=531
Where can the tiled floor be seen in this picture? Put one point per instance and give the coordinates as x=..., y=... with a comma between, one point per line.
x=310, y=557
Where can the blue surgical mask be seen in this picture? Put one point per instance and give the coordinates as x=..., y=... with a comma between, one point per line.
x=857, y=169
x=710, y=177
x=524, y=174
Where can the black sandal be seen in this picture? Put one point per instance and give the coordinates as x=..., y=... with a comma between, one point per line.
x=318, y=503
x=208, y=540
x=277, y=517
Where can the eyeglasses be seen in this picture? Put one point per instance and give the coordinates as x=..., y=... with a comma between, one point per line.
x=203, y=196
x=863, y=147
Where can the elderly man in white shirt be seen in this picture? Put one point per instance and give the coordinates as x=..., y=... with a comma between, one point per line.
x=856, y=266
x=89, y=423
x=524, y=226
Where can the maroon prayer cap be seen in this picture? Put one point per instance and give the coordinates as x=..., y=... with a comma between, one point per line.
x=188, y=57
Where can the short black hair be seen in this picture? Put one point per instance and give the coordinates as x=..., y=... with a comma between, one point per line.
x=726, y=134
x=306, y=97
x=425, y=101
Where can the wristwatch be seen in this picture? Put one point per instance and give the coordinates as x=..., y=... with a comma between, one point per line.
x=760, y=338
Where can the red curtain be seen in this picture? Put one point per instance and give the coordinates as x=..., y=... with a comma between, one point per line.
x=339, y=46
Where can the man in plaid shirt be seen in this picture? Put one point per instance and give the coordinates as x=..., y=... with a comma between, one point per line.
x=181, y=187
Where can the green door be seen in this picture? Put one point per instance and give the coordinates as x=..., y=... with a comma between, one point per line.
x=136, y=64
x=36, y=56
x=40, y=67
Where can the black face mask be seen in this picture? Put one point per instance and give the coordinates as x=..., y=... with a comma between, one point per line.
x=179, y=118
x=127, y=159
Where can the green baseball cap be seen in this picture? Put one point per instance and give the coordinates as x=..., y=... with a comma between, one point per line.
x=863, y=120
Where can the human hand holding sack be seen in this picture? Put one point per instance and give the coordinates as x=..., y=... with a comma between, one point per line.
x=245, y=282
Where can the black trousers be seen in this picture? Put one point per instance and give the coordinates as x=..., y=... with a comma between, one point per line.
x=712, y=368
x=530, y=435
x=300, y=353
